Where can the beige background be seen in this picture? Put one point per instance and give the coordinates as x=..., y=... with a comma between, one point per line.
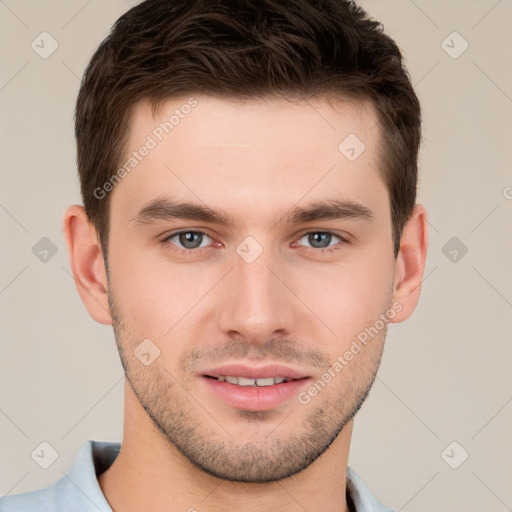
x=446, y=373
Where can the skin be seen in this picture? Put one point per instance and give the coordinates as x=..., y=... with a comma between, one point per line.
x=183, y=447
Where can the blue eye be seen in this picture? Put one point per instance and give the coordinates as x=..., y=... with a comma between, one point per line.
x=318, y=239
x=188, y=239
x=192, y=242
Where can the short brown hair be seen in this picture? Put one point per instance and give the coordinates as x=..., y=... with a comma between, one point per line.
x=162, y=49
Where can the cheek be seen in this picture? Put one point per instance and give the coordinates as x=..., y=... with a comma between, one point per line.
x=154, y=295
x=347, y=297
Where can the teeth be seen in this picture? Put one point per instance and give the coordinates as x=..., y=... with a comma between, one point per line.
x=242, y=381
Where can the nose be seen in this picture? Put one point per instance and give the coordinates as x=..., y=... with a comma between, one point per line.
x=256, y=301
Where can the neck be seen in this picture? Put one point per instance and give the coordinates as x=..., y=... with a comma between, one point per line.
x=151, y=471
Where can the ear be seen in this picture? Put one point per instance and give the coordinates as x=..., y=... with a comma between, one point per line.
x=87, y=265
x=410, y=264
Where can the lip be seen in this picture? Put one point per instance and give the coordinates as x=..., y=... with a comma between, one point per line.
x=255, y=372
x=250, y=398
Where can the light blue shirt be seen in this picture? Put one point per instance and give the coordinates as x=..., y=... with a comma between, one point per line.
x=78, y=490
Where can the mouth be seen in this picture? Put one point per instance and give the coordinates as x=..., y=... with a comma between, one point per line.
x=243, y=381
x=254, y=388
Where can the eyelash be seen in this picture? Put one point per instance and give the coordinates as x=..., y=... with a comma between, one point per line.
x=187, y=252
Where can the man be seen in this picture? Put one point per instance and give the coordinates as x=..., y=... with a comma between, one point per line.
x=249, y=228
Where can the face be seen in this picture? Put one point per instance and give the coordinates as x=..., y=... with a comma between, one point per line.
x=280, y=266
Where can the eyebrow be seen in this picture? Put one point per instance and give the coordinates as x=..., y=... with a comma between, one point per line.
x=168, y=209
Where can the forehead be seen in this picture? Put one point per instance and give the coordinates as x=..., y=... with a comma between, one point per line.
x=245, y=152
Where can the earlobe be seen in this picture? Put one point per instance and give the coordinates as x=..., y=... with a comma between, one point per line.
x=87, y=265
x=410, y=263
